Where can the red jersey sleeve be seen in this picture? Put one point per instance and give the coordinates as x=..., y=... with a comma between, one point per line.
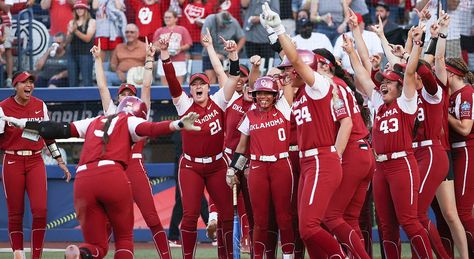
x=466, y=111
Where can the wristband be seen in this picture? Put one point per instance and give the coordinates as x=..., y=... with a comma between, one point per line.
x=178, y=124
x=146, y=68
x=419, y=43
x=273, y=38
x=269, y=30
x=442, y=35
x=54, y=150
x=234, y=69
x=432, y=47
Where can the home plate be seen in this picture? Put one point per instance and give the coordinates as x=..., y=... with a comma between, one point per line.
x=9, y=250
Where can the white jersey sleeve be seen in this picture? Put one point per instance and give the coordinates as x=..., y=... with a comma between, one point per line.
x=183, y=103
x=284, y=107
x=320, y=88
x=112, y=109
x=234, y=97
x=2, y=122
x=433, y=99
x=133, y=122
x=45, y=112
x=82, y=125
x=219, y=99
x=245, y=126
x=408, y=105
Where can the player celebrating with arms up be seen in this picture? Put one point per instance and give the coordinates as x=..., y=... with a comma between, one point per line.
x=23, y=167
x=202, y=164
x=106, y=152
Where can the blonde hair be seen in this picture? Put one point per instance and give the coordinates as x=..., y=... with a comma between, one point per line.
x=460, y=65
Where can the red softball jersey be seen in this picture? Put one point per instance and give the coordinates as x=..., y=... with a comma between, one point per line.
x=461, y=107
x=430, y=115
x=233, y=116
x=359, y=130
x=148, y=17
x=317, y=108
x=393, y=125
x=269, y=131
x=210, y=140
x=12, y=139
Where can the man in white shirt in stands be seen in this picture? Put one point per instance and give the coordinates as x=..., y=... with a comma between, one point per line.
x=309, y=40
x=373, y=43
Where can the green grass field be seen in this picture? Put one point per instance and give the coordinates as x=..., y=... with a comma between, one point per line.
x=203, y=252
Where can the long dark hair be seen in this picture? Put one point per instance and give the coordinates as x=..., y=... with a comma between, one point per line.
x=339, y=72
x=105, y=137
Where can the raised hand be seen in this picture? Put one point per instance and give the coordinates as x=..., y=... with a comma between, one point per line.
x=95, y=50
x=443, y=21
x=229, y=45
x=434, y=30
x=352, y=20
x=424, y=15
x=378, y=28
x=150, y=49
x=348, y=44
x=271, y=18
x=418, y=33
x=188, y=121
x=375, y=60
x=397, y=50
x=164, y=43
x=206, y=39
x=256, y=60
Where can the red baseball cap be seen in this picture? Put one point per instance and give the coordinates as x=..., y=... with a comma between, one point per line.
x=244, y=70
x=81, y=5
x=22, y=77
x=201, y=76
x=130, y=87
x=359, y=18
x=390, y=75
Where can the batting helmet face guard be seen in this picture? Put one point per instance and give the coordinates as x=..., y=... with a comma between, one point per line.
x=134, y=106
x=306, y=56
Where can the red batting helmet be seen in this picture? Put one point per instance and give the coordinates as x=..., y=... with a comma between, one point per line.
x=265, y=84
x=134, y=106
x=305, y=55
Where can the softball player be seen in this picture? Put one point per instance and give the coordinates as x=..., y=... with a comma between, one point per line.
x=460, y=118
x=23, y=168
x=105, y=155
x=265, y=132
x=141, y=189
x=396, y=181
x=202, y=164
x=319, y=111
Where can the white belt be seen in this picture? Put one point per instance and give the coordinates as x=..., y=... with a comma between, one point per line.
x=203, y=160
x=137, y=155
x=390, y=156
x=272, y=158
x=315, y=151
x=229, y=151
x=294, y=148
x=459, y=144
x=22, y=152
x=100, y=163
x=423, y=143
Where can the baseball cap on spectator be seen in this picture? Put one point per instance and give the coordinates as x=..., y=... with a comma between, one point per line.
x=383, y=4
x=359, y=18
x=81, y=5
x=22, y=77
x=391, y=75
x=201, y=76
x=130, y=87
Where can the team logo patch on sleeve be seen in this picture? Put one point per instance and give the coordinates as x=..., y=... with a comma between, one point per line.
x=466, y=108
x=339, y=107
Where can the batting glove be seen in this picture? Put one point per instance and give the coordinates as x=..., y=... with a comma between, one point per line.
x=187, y=122
x=272, y=19
x=230, y=177
x=19, y=123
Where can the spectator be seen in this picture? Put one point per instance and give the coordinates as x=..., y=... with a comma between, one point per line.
x=374, y=46
x=329, y=17
x=52, y=67
x=461, y=19
x=2, y=41
x=397, y=12
x=111, y=23
x=179, y=44
x=255, y=34
x=80, y=35
x=125, y=56
x=194, y=13
x=309, y=40
x=148, y=17
x=297, y=5
x=220, y=25
x=60, y=13
x=393, y=32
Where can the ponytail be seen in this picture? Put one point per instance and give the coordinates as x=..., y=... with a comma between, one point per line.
x=470, y=77
x=105, y=137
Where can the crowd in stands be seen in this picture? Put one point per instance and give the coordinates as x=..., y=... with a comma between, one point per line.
x=123, y=26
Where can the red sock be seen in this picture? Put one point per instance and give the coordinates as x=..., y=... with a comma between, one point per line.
x=326, y=242
x=188, y=243
x=161, y=243
x=37, y=239
x=351, y=240
x=16, y=240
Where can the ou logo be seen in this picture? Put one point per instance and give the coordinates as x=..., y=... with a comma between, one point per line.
x=145, y=15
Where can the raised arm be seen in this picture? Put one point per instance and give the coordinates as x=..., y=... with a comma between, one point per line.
x=440, y=65
x=366, y=85
x=206, y=41
x=359, y=41
x=255, y=73
x=148, y=73
x=104, y=92
x=378, y=29
x=409, y=80
x=174, y=86
x=234, y=71
x=273, y=20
